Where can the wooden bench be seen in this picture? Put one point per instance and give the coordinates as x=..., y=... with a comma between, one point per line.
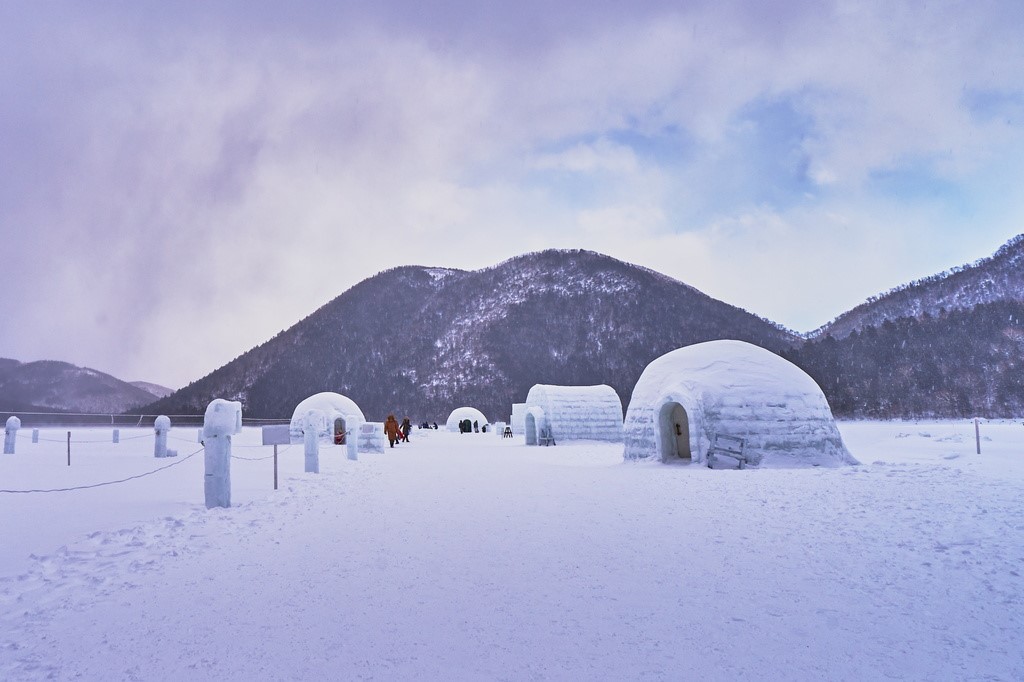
x=728, y=446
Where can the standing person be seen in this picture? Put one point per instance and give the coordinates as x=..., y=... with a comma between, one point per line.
x=406, y=428
x=391, y=429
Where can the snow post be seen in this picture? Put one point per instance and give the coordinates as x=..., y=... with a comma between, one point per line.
x=10, y=433
x=310, y=432
x=223, y=419
x=162, y=425
x=117, y=435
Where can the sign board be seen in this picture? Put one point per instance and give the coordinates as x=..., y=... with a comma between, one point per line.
x=277, y=434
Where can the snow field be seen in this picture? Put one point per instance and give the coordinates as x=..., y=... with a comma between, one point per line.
x=473, y=557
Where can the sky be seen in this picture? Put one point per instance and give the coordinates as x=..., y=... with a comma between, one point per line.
x=181, y=181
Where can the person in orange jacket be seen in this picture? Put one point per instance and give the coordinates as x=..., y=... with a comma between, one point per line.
x=391, y=429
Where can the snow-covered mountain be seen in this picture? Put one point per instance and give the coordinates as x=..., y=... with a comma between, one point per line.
x=156, y=390
x=49, y=385
x=421, y=341
x=951, y=345
x=999, y=277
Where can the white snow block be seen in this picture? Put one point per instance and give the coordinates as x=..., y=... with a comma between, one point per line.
x=117, y=435
x=518, y=418
x=11, y=434
x=570, y=413
x=222, y=420
x=310, y=435
x=161, y=426
x=370, y=437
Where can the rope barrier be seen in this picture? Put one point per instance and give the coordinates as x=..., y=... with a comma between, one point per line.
x=100, y=485
x=260, y=459
x=73, y=441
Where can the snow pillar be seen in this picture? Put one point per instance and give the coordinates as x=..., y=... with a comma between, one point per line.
x=351, y=446
x=35, y=435
x=10, y=433
x=117, y=435
x=310, y=430
x=162, y=426
x=223, y=419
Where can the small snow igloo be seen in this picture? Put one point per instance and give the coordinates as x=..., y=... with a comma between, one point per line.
x=337, y=418
x=573, y=413
x=460, y=414
x=731, y=388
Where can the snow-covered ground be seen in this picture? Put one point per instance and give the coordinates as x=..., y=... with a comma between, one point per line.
x=473, y=557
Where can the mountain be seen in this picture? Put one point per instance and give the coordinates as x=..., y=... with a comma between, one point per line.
x=51, y=386
x=997, y=278
x=156, y=390
x=950, y=345
x=421, y=341
x=966, y=362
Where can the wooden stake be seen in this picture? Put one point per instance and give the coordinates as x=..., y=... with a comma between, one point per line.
x=275, y=467
x=69, y=448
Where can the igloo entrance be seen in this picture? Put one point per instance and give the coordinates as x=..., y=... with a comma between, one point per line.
x=675, y=432
x=339, y=431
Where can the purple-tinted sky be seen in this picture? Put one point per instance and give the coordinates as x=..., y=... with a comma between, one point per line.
x=181, y=181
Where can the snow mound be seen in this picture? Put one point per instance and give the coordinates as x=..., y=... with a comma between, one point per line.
x=731, y=388
x=328, y=407
x=460, y=413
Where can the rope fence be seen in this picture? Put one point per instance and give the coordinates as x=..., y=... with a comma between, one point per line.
x=104, y=483
x=261, y=459
x=108, y=419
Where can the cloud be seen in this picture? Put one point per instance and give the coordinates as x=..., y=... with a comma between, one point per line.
x=182, y=182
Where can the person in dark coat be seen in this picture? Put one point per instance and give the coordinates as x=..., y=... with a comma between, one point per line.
x=406, y=428
x=391, y=429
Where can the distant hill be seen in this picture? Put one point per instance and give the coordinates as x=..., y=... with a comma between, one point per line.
x=950, y=345
x=49, y=385
x=156, y=390
x=421, y=341
x=959, y=363
x=999, y=277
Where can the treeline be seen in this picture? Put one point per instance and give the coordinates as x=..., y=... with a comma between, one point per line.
x=961, y=363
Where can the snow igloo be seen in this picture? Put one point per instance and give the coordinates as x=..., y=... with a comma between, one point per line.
x=336, y=416
x=461, y=413
x=731, y=388
x=573, y=413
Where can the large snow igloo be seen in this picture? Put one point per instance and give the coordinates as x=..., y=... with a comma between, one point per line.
x=731, y=388
x=336, y=416
x=461, y=413
x=573, y=413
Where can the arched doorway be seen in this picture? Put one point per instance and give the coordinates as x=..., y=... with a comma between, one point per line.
x=339, y=431
x=531, y=429
x=675, y=432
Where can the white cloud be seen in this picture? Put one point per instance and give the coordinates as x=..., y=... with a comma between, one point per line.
x=224, y=187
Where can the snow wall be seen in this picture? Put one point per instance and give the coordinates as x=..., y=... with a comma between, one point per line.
x=518, y=418
x=460, y=413
x=737, y=389
x=331, y=406
x=573, y=413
